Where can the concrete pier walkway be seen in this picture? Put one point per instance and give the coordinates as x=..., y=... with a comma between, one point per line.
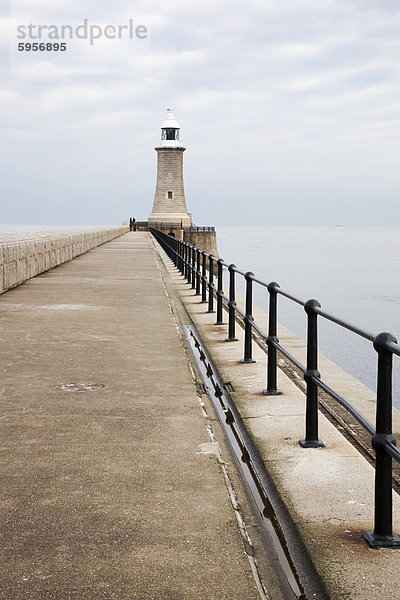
x=111, y=485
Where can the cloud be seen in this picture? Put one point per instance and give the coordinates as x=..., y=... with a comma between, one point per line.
x=262, y=91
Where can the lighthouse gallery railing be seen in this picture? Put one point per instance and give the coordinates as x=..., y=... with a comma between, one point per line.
x=197, y=266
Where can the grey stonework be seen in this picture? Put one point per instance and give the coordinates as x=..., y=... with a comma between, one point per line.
x=170, y=179
x=24, y=255
x=206, y=240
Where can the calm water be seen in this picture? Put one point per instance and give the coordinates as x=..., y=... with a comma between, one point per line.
x=17, y=228
x=352, y=271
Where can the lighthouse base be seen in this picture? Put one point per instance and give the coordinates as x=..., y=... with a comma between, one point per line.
x=205, y=240
x=181, y=220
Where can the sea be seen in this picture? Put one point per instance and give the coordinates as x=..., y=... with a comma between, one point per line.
x=17, y=228
x=352, y=271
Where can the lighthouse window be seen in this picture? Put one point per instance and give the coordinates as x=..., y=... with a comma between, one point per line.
x=169, y=194
x=170, y=134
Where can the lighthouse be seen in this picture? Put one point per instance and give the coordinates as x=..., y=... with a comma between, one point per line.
x=169, y=206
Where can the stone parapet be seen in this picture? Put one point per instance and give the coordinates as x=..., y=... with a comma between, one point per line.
x=25, y=255
x=206, y=240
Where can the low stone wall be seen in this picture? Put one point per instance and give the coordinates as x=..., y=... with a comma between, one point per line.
x=206, y=240
x=25, y=255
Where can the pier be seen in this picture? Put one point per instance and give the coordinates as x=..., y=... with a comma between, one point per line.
x=114, y=476
x=120, y=478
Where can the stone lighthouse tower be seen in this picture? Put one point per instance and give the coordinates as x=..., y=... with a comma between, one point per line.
x=169, y=206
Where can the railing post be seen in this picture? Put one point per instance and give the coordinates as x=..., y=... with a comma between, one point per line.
x=167, y=248
x=198, y=272
x=176, y=252
x=175, y=255
x=193, y=268
x=189, y=262
x=272, y=369
x=383, y=536
x=182, y=258
x=248, y=319
x=311, y=440
x=232, y=303
x=220, y=291
x=183, y=250
x=186, y=259
x=204, y=278
x=211, y=284
x=179, y=255
x=185, y=253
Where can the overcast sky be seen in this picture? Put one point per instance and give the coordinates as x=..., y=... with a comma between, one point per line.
x=289, y=110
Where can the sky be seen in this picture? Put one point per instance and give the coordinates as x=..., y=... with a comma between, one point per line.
x=289, y=109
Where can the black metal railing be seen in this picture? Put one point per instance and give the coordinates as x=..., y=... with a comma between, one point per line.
x=201, y=228
x=166, y=225
x=171, y=225
x=201, y=277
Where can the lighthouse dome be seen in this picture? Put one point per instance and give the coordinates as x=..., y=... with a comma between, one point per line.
x=170, y=122
x=170, y=131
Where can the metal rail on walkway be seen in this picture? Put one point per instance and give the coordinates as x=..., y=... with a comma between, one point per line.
x=197, y=267
x=141, y=225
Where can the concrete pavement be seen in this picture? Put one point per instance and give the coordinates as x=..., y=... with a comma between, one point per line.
x=112, y=487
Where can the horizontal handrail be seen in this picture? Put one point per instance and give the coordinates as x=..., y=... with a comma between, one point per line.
x=352, y=410
x=187, y=259
x=173, y=225
x=393, y=347
x=349, y=326
x=202, y=228
x=292, y=359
